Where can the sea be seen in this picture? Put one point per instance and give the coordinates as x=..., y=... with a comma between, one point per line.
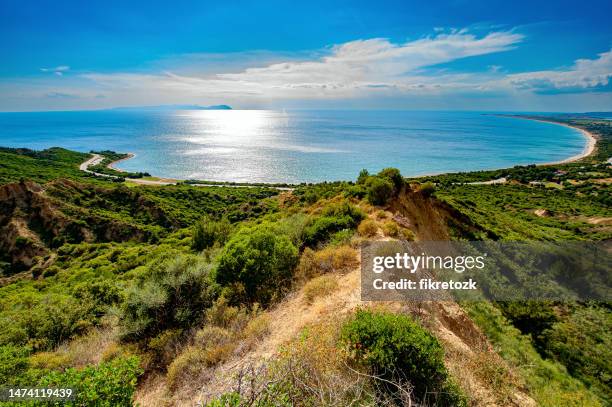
x=298, y=145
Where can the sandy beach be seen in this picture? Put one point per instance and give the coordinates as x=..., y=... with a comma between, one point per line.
x=589, y=148
x=112, y=165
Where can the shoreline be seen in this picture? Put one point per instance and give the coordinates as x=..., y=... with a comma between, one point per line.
x=111, y=165
x=588, y=150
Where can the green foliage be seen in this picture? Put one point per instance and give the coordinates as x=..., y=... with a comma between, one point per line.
x=394, y=175
x=381, y=187
x=547, y=380
x=207, y=232
x=39, y=166
x=364, y=174
x=108, y=384
x=13, y=363
x=530, y=317
x=188, y=204
x=171, y=294
x=582, y=342
x=507, y=212
x=258, y=260
x=334, y=218
x=397, y=349
x=311, y=193
x=379, y=190
x=427, y=189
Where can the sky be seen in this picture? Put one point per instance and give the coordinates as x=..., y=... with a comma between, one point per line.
x=450, y=55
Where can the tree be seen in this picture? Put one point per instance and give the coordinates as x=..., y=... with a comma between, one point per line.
x=207, y=232
x=380, y=190
x=394, y=175
x=363, y=176
x=258, y=260
x=172, y=294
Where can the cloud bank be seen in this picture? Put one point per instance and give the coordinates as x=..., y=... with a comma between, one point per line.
x=375, y=68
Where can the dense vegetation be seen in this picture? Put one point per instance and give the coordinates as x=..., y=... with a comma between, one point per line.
x=103, y=282
x=558, y=202
x=40, y=166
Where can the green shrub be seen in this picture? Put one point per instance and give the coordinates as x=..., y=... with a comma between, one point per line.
x=108, y=384
x=207, y=232
x=13, y=363
x=582, y=342
x=260, y=261
x=379, y=190
x=394, y=175
x=334, y=218
x=363, y=176
x=397, y=349
x=427, y=189
x=172, y=294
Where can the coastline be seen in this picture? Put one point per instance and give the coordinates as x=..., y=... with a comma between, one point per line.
x=112, y=164
x=588, y=150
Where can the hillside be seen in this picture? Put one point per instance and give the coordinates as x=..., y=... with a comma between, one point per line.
x=183, y=294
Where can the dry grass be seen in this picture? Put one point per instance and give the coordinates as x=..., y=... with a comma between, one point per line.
x=380, y=215
x=319, y=287
x=257, y=327
x=50, y=360
x=92, y=348
x=390, y=229
x=367, y=228
x=340, y=259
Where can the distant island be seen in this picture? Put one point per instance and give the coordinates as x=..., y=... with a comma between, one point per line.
x=174, y=107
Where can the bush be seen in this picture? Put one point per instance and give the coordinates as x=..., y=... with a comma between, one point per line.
x=390, y=229
x=393, y=174
x=582, y=342
x=368, y=228
x=108, y=384
x=13, y=363
x=335, y=258
x=397, y=349
x=379, y=190
x=427, y=189
x=363, y=176
x=173, y=294
x=207, y=232
x=319, y=287
x=260, y=261
x=194, y=360
x=334, y=218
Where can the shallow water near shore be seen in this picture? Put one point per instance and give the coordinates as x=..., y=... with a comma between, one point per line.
x=295, y=146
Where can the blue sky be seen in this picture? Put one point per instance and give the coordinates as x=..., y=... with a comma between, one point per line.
x=493, y=55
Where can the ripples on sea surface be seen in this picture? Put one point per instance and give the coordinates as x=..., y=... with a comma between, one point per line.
x=295, y=146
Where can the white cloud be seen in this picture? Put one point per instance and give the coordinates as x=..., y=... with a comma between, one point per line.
x=350, y=69
x=585, y=73
x=58, y=70
x=376, y=60
x=369, y=68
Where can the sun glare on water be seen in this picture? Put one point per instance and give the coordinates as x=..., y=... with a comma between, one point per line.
x=233, y=128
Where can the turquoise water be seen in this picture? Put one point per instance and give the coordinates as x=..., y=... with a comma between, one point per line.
x=295, y=146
